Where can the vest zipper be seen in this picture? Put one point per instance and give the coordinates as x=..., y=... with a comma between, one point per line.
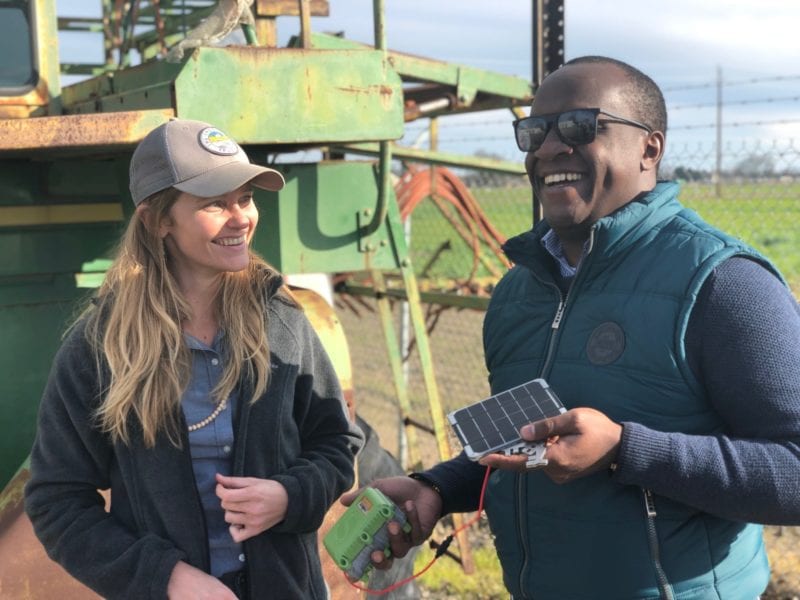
x=562, y=305
x=664, y=588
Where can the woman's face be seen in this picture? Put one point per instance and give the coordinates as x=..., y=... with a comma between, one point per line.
x=205, y=237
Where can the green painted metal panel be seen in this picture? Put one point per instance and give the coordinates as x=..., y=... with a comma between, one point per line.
x=424, y=69
x=261, y=95
x=32, y=182
x=57, y=249
x=313, y=224
x=33, y=326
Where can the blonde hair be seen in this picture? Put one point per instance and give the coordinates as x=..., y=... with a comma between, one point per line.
x=135, y=327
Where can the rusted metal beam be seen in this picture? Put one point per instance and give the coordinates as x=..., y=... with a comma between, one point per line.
x=60, y=214
x=104, y=130
x=290, y=8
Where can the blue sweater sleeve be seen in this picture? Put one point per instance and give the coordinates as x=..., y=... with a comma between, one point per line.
x=742, y=344
x=459, y=481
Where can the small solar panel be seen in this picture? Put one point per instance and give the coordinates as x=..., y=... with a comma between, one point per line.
x=493, y=424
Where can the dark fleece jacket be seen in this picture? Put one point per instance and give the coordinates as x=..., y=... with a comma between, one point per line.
x=297, y=433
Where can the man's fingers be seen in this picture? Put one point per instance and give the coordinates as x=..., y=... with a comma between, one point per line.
x=347, y=498
x=546, y=428
x=516, y=462
x=417, y=535
x=380, y=560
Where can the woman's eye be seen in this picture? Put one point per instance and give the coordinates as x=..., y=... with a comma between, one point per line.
x=215, y=206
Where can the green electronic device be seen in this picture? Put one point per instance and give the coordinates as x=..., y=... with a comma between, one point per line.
x=361, y=530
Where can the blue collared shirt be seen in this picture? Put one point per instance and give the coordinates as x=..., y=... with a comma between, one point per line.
x=555, y=249
x=211, y=448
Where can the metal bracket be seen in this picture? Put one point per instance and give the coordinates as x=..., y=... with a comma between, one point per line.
x=535, y=451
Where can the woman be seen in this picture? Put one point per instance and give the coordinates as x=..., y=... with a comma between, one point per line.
x=196, y=391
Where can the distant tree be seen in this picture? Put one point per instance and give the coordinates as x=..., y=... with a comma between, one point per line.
x=755, y=165
x=689, y=174
x=480, y=178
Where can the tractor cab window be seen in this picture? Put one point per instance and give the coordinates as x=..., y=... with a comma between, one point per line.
x=17, y=69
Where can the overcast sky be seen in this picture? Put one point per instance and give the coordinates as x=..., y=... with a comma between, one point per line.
x=679, y=43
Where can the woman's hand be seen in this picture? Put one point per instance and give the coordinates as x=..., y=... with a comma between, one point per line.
x=190, y=583
x=251, y=505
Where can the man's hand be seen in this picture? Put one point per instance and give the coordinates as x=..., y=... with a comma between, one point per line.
x=421, y=505
x=251, y=505
x=189, y=583
x=579, y=442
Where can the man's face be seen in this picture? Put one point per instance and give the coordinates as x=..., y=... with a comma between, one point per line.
x=578, y=185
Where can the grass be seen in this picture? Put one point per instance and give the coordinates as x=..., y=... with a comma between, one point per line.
x=446, y=579
x=764, y=215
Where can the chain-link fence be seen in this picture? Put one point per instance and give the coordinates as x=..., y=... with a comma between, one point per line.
x=755, y=199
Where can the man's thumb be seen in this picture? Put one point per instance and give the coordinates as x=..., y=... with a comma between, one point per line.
x=538, y=430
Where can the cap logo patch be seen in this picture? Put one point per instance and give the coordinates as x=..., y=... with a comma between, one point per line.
x=213, y=140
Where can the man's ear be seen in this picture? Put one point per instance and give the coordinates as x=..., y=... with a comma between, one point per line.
x=653, y=151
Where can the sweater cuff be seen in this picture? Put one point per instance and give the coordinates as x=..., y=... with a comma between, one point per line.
x=641, y=451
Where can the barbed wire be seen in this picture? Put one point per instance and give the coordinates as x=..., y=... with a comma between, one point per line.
x=737, y=124
x=737, y=102
x=713, y=84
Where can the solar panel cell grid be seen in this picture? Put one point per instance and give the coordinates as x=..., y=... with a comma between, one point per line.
x=494, y=423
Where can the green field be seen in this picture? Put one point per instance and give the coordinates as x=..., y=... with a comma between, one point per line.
x=765, y=215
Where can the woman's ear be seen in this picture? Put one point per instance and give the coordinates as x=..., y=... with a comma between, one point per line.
x=149, y=219
x=653, y=151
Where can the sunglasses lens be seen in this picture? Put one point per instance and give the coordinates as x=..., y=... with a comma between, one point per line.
x=531, y=133
x=577, y=127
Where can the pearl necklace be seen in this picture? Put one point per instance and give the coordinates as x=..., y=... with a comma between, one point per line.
x=220, y=407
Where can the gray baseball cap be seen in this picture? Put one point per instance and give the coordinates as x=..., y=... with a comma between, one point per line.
x=196, y=158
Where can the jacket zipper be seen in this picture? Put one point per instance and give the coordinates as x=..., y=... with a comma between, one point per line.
x=664, y=588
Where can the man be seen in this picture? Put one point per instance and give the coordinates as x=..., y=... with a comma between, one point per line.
x=674, y=346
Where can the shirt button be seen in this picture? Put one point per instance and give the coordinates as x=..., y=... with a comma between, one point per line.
x=215, y=361
x=226, y=449
x=241, y=558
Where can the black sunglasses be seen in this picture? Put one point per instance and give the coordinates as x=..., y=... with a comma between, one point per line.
x=574, y=127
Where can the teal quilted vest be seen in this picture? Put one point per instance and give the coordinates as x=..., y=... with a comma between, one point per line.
x=614, y=344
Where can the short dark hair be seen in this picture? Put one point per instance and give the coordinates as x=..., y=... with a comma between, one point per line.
x=647, y=100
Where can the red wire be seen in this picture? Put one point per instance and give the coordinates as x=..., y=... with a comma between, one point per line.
x=402, y=582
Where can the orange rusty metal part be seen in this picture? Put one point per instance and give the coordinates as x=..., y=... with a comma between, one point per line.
x=34, y=101
x=329, y=329
x=79, y=131
x=26, y=573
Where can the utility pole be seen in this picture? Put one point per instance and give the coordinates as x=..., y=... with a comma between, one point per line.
x=718, y=169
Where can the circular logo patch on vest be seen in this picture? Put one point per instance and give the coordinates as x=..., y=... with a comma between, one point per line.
x=213, y=140
x=606, y=343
